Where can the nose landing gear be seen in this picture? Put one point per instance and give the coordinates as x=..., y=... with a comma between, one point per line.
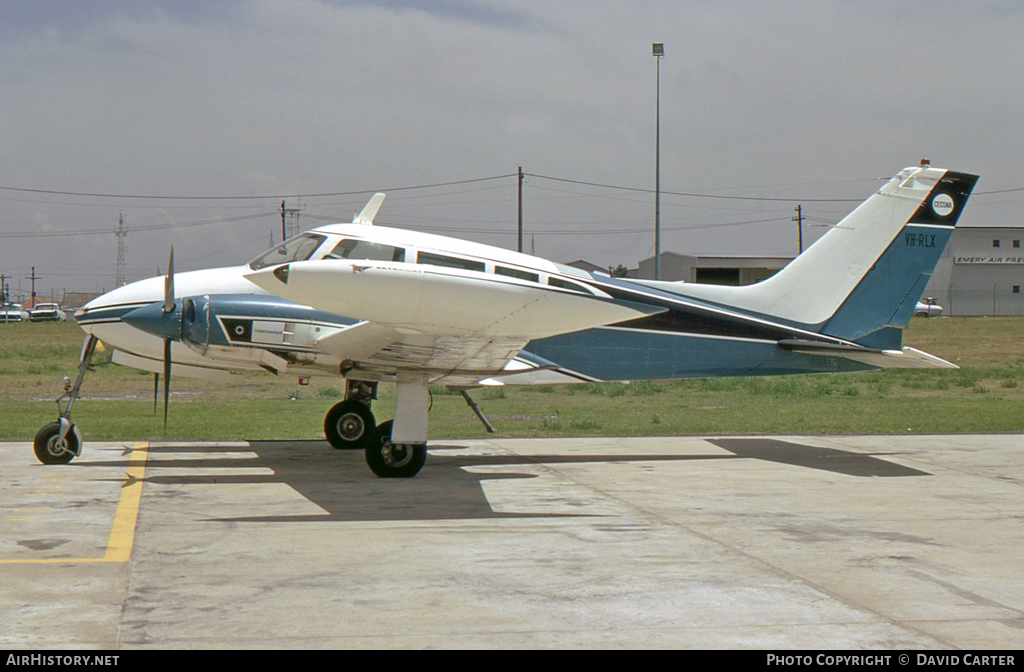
x=350, y=424
x=60, y=442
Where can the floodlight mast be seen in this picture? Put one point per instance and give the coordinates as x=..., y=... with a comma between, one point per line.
x=658, y=50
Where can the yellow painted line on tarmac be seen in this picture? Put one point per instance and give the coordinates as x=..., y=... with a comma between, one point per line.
x=122, y=532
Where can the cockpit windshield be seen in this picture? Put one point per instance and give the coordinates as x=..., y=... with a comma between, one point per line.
x=362, y=249
x=298, y=248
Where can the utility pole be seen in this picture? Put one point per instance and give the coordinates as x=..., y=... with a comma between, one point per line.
x=658, y=50
x=289, y=221
x=799, y=219
x=520, y=209
x=120, y=233
x=33, y=278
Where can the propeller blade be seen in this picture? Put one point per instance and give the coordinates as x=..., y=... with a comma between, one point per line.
x=169, y=285
x=156, y=387
x=167, y=377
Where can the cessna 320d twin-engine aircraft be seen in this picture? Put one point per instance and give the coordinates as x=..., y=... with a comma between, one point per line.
x=372, y=304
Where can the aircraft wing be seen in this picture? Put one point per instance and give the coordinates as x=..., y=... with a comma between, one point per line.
x=451, y=360
x=458, y=326
x=428, y=299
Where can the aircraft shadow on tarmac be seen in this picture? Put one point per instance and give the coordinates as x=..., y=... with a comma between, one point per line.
x=339, y=483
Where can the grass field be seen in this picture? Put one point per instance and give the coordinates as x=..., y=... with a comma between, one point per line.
x=985, y=395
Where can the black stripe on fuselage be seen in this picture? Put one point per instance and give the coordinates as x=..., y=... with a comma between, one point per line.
x=686, y=316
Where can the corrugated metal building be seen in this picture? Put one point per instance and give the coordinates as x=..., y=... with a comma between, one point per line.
x=711, y=269
x=981, y=272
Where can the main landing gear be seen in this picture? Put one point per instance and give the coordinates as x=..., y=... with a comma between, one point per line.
x=60, y=442
x=394, y=449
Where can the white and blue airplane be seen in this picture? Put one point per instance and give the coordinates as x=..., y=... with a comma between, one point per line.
x=370, y=305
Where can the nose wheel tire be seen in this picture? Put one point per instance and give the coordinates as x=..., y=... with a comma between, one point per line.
x=51, y=449
x=394, y=460
x=349, y=425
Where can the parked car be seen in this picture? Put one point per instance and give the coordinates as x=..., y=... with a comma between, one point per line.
x=12, y=312
x=927, y=307
x=46, y=312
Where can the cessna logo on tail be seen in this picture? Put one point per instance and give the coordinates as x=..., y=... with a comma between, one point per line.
x=942, y=205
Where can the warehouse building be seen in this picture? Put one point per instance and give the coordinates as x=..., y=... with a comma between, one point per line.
x=713, y=270
x=981, y=272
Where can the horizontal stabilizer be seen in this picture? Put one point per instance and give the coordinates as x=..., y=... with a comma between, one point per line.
x=906, y=358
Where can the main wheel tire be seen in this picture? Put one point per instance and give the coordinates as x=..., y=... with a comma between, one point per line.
x=390, y=460
x=349, y=425
x=50, y=449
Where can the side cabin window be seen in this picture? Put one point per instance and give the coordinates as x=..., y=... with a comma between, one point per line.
x=449, y=262
x=516, y=273
x=299, y=248
x=565, y=284
x=362, y=249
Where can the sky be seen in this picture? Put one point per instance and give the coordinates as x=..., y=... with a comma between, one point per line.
x=763, y=106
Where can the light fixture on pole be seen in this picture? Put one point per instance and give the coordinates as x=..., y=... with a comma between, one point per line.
x=658, y=50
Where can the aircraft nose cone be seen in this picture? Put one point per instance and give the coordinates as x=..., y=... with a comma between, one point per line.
x=153, y=320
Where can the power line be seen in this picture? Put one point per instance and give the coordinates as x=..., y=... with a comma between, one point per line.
x=695, y=195
x=265, y=196
x=151, y=227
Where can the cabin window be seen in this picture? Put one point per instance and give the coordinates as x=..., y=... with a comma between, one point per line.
x=1016, y=243
x=1016, y=289
x=298, y=248
x=565, y=284
x=995, y=243
x=449, y=262
x=362, y=249
x=516, y=273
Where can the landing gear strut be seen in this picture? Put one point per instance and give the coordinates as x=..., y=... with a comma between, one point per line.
x=350, y=424
x=60, y=442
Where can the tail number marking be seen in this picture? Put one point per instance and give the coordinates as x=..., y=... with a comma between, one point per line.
x=919, y=239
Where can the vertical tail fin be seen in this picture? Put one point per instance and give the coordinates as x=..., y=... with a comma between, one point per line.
x=886, y=294
x=869, y=271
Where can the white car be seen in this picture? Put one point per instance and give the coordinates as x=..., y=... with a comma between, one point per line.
x=12, y=312
x=46, y=312
x=927, y=308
